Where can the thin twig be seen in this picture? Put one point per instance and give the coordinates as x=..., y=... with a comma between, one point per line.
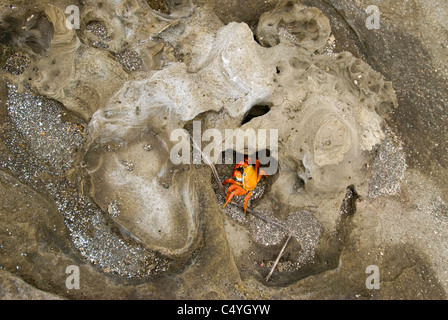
x=278, y=258
x=256, y=214
x=210, y=164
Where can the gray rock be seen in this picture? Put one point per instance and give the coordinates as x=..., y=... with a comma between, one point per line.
x=14, y=288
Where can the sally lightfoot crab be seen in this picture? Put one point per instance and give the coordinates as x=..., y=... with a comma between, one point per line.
x=245, y=182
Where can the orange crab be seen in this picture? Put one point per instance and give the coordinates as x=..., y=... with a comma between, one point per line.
x=245, y=182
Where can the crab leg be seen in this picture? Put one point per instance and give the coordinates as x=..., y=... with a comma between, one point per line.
x=261, y=173
x=246, y=199
x=230, y=189
x=231, y=181
x=236, y=191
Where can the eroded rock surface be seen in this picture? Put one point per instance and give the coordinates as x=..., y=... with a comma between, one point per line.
x=327, y=109
x=296, y=24
x=87, y=124
x=153, y=200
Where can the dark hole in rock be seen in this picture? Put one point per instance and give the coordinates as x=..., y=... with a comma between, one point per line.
x=348, y=206
x=299, y=185
x=32, y=30
x=256, y=39
x=224, y=170
x=312, y=26
x=256, y=111
x=159, y=5
x=231, y=157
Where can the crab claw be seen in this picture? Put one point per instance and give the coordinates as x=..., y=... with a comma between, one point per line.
x=240, y=164
x=234, y=190
x=231, y=181
x=237, y=175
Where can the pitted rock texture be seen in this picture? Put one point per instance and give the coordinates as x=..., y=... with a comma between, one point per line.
x=88, y=178
x=326, y=109
x=294, y=23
